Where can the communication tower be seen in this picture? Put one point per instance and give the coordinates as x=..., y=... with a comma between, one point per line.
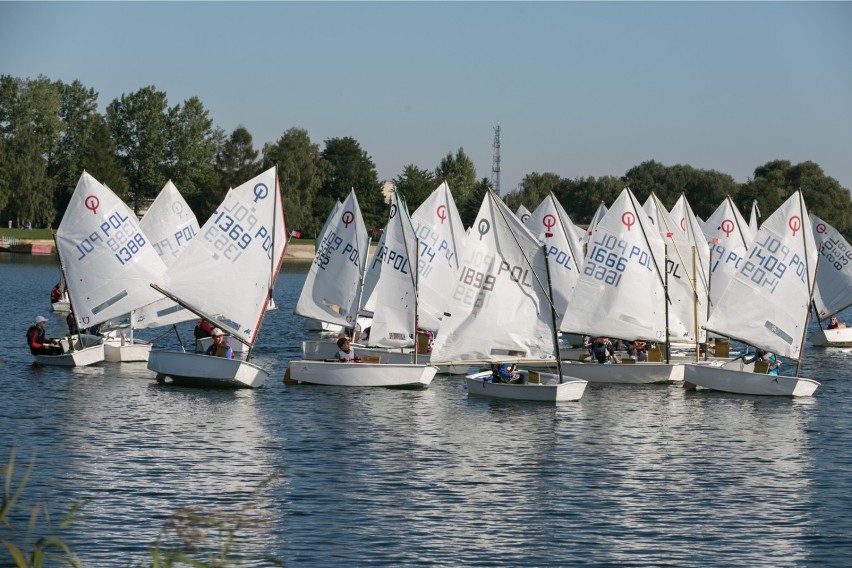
x=495, y=164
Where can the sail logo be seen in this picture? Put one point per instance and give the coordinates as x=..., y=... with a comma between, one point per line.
x=549, y=221
x=441, y=212
x=727, y=227
x=347, y=218
x=261, y=191
x=92, y=203
x=628, y=219
x=795, y=224
x=483, y=227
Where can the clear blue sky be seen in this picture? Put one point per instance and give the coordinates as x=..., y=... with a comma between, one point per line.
x=579, y=89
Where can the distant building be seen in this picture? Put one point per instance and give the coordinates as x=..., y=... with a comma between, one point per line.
x=387, y=190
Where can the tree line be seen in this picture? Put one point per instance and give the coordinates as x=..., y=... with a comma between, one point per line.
x=51, y=131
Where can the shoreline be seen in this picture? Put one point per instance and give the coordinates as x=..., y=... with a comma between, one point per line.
x=295, y=251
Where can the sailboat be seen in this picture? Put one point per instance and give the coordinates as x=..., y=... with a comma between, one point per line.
x=169, y=225
x=313, y=324
x=767, y=304
x=64, y=302
x=622, y=293
x=500, y=311
x=833, y=292
x=226, y=276
x=755, y=215
x=107, y=261
x=395, y=315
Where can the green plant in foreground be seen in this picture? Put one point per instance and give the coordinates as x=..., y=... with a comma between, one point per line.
x=192, y=533
x=191, y=537
x=41, y=549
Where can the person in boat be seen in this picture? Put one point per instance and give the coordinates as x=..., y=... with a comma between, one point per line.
x=833, y=323
x=220, y=347
x=40, y=344
x=56, y=293
x=202, y=329
x=73, y=329
x=345, y=353
x=763, y=356
x=603, y=351
x=506, y=373
x=638, y=350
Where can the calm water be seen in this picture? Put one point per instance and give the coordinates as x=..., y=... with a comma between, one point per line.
x=629, y=475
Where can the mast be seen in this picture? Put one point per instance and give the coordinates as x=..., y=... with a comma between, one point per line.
x=552, y=315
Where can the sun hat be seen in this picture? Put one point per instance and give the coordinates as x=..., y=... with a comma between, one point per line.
x=217, y=332
x=40, y=319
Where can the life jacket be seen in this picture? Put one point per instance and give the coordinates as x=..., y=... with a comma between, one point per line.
x=601, y=351
x=221, y=350
x=39, y=336
x=202, y=330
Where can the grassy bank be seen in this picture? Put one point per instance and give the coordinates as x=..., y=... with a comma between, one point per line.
x=28, y=234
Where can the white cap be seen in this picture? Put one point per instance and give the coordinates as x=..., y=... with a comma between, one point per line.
x=216, y=332
x=40, y=319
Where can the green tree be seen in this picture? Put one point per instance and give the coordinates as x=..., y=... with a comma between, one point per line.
x=237, y=162
x=79, y=114
x=29, y=126
x=301, y=172
x=532, y=190
x=416, y=185
x=139, y=125
x=470, y=209
x=460, y=174
x=100, y=159
x=582, y=197
x=191, y=150
x=351, y=168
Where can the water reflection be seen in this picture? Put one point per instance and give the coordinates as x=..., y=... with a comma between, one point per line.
x=629, y=475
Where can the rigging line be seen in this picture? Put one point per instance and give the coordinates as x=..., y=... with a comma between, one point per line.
x=523, y=252
x=737, y=223
x=659, y=204
x=564, y=228
x=691, y=234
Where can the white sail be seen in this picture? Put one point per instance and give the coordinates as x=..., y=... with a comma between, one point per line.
x=226, y=273
x=834, y=275
x=441, y=235
x=499, y=309
x=755, y=215
x=767, y=302
x=170, y=225
x=729, y=238
x=600, y=213
x=107, y=258
x=321, y=234
x=685, y=290
x=551, y=224
x=523, y=213
x=685, y=218
x=371, y=277
x=396, y=293
x=331, y=290
x=620, y=291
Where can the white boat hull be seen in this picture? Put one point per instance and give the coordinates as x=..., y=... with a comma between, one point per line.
x=88, y=350
x=62, y=305
x=121, y=351
x=550, y=389
x=840, y=337
x=361, y=374
x=204, y=370
x=733, y=380
x=625, y=373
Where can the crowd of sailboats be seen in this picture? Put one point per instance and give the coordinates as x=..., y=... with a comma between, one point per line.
x=501, y=293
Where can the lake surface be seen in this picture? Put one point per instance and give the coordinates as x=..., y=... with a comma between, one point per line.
x=630, y=475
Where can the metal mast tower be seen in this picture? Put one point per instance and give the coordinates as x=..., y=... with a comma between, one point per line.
x=495, y=164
